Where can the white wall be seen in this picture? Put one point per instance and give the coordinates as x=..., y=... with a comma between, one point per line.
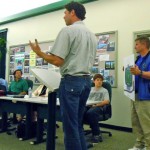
x=125, y=16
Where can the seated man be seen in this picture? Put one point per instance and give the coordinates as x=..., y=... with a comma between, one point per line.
x=19, y=86
x=101, y=97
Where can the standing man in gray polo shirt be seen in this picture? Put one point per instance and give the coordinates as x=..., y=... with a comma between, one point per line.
x=74, y=52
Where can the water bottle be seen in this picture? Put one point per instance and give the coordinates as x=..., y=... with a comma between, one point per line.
x=30, y=92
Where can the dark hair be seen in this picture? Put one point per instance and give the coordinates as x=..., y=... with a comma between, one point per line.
x=98, y=76
x=144, y=39
x=16, y=71
x=78, y=8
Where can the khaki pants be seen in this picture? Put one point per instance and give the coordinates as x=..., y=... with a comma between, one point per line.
x=141, y=123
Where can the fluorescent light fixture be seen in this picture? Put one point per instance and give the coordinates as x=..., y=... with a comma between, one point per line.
x=11, y=7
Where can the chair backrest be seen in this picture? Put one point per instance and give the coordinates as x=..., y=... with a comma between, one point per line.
x=107, y=86
x=107, y=109
x=3, y=90
x=30, y=83
x=3, y=87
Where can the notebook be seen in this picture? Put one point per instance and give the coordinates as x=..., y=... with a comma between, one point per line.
x=15, y=96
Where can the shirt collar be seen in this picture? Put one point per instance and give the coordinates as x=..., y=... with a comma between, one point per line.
x=18, y=80
x=78, y=22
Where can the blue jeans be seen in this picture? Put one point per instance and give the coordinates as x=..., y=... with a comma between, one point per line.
x=92, y=117
x=73, y=95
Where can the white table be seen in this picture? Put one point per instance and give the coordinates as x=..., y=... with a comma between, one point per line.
x=25, y=104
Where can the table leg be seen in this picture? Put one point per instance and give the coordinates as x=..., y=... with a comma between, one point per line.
x=4, y=122
x=51, y=127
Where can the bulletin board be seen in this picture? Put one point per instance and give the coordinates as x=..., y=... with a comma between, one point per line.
x=23, y=58
x=106, y=57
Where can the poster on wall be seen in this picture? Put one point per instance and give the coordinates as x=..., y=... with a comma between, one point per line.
x=32, y=54
x=19, y=60
x=32, y=62
x=103, y=57
x=105, y=44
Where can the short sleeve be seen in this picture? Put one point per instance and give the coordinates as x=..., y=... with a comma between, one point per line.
x=61, y=46
x=25, y=86
x=106, y=95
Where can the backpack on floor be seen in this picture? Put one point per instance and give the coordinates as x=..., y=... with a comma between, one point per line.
x=21, y=129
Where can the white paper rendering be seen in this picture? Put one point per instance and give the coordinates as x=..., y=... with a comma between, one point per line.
x=47, y=77
x=129, y=79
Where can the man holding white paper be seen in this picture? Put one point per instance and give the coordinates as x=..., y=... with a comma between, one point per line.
x=74, y=52
x=141, y=105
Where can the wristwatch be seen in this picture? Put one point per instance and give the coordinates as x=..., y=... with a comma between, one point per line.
x=141, y=73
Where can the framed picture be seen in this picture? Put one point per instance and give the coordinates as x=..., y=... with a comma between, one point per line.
x=12, y=58
x=22, y=48
x=39, y=61
x=11, y=78
x=112, y=65
x=107, y=65
x=26, y=56
x=94, y=70
x=26, y=62
x=44, y=62
x=12, y=51
x=26, y=69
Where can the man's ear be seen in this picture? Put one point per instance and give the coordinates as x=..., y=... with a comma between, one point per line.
x=73, y=12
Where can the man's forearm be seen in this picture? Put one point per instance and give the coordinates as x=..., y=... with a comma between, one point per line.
x=102, y=103
x=145, y=75
x=23, y=93
x=52, y=59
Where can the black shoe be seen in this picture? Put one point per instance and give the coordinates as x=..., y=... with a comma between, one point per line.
x=89, y=145
x=96, y=139
x=57, y=126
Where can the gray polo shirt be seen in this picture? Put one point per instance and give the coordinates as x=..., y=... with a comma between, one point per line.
x=98, y=95
x=77, y=46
